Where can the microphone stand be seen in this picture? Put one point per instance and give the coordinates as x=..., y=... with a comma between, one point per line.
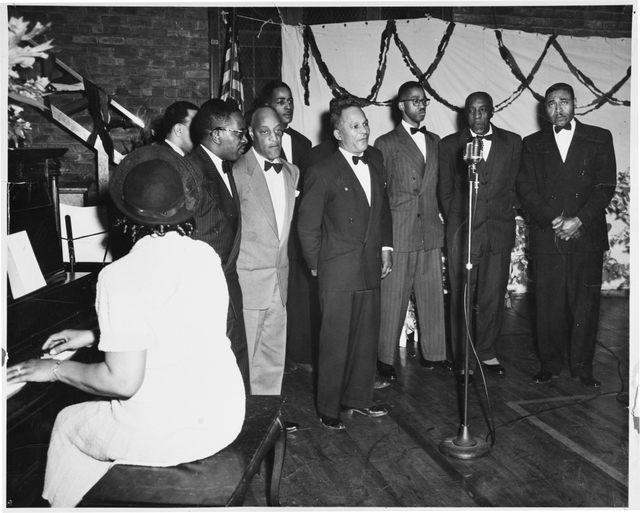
x=464, y=446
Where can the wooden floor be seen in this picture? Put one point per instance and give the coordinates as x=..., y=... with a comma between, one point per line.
x=556, y=445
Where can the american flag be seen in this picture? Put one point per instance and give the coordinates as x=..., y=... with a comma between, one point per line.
x=231, y=79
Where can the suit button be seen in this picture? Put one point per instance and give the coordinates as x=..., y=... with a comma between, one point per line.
x=413, y=179
x=553, y=197
x=351, y=219
x=576, y=195
x=418, y=215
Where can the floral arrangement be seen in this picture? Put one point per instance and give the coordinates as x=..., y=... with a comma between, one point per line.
x=23, y=55
x=618, y=211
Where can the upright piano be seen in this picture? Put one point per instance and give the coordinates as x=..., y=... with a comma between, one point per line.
x=67, y=301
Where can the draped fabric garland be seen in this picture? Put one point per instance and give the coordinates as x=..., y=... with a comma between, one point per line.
x=451, y=61
x=390, y=33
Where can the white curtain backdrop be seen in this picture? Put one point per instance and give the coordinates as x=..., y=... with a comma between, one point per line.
x=471, y=62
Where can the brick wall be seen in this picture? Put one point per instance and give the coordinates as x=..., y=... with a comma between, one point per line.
x=144, y=57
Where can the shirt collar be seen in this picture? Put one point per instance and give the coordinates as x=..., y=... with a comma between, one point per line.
x=490, y=132
x=261, y=160
x=217, y=161
x=174, y=147
x=408, y=127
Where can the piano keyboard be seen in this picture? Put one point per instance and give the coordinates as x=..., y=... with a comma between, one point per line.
x=14, y=388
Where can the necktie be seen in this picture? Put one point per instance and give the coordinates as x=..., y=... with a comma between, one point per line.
x=275, y=165
x=226, y=167
x=558, y=129
x=422, y=129
x=356, y=159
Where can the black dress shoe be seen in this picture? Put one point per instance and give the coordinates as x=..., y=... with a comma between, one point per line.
x=443, y=364
x=332, y=423
x=290, y=427
x=381, y=383
x=495, y=368
x=387, y=371
x=590, y=381
x=374, y=411
x=460, y=378
x=543, y=377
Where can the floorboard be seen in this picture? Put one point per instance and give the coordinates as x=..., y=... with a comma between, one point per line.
x=556, y=445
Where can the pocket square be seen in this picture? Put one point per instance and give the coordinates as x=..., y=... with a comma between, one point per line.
x=297, y=193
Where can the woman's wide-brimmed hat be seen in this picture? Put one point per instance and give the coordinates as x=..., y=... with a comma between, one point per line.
x=154, y=185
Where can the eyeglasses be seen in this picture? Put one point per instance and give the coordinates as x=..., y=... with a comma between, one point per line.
x=240, y=132
x=416, y=102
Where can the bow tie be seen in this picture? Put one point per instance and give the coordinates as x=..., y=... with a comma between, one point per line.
x=275, y=165
x=421, y=129
x=355, y=159
x=559, y=129
x=226, y=167
x=485, y=137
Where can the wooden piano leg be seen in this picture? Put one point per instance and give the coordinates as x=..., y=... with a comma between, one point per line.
x=273, y=491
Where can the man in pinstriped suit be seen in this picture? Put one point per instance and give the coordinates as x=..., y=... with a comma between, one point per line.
x=410, y=156
x=221, y=133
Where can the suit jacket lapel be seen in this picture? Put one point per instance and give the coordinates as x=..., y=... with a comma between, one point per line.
x=217, y=188
x=410, y=148
x=348, y=182
x=260, y=190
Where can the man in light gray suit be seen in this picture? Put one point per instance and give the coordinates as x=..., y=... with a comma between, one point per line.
x=267, y=189
x=410, y=156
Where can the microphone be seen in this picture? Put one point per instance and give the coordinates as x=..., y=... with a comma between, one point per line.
x=473, y=151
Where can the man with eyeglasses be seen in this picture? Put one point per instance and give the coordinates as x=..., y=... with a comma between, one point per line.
x=303, y=308
x=493, y=231
x=567, y=179
x=176, y=124
x=221, y=134
x=410, y=155
x=267, y=191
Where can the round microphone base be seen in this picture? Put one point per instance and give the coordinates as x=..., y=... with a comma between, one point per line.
x=464, y=446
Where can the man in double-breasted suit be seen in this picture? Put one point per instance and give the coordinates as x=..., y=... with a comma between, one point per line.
x=267, y=190
x=410, y=156
x=566, y=180
x=493, y=234
x=220, y=131
x=346, y=235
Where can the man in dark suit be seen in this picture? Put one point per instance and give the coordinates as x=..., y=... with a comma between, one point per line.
x=176, y=124
x=566, y=180
x=346, y=235
x=221, y=132
x=493, y=234
x=303, y=308
x=410, y=155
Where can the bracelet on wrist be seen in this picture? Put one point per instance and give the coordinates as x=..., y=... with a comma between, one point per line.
x=55, y=370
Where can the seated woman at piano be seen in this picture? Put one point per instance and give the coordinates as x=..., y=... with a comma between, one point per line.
x=170, y=385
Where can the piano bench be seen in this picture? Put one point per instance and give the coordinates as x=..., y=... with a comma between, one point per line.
x=219, y=480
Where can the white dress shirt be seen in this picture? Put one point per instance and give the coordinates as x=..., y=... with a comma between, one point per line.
x=218, y=163
x=418, y=138
x=361, y=171
x=563, y=139
x=275, y=183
